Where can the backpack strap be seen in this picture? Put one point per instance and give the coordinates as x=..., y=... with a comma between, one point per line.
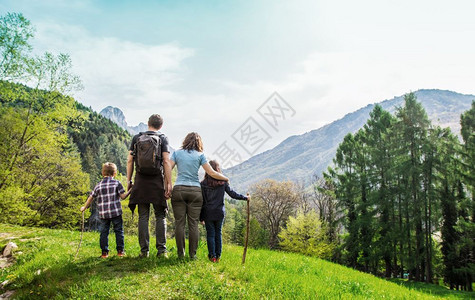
x=134, y=153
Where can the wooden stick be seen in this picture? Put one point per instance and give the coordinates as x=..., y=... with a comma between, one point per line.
x=247, y=232
x=80, y=241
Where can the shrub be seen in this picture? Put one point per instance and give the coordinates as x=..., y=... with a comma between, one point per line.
x=307, y=235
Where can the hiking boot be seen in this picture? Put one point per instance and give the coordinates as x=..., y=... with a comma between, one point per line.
x=143, y=254
x=162, y=255
x=121, y=253
x=105, y=254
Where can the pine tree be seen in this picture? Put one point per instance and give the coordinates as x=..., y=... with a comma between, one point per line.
x=467, y=211
x=412, y=126
x=364, y=208
x=450, y=237
x=377, y=139
x=347, y=193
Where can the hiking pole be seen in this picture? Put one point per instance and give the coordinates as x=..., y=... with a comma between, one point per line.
x=247, y=232
x=80, y=241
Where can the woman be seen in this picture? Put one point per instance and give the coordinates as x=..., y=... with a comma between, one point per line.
x=213, y=212
x=186, y=196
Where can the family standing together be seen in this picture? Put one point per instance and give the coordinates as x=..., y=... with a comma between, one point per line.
x=192, y=201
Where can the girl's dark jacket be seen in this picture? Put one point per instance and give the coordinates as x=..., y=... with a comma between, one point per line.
x=213, y=200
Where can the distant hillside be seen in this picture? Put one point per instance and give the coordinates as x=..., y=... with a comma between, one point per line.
x=300, y=156
x=117, y=116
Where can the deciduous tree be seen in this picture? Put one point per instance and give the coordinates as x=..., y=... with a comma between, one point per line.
x=273, y=203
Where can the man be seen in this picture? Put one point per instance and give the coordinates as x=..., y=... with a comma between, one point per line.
x=150, y=188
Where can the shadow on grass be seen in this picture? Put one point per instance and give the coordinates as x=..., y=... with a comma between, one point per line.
x=62, y=279
x=432, y=289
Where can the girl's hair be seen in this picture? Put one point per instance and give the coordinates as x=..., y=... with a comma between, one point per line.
x=210, y=181
x=192, y=141
x=108, y=169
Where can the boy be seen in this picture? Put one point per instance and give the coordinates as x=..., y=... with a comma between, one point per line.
x=108, y=193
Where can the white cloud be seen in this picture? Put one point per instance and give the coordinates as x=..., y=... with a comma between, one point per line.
x=125, y=74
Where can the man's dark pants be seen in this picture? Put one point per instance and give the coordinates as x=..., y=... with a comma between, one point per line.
x=160, y=227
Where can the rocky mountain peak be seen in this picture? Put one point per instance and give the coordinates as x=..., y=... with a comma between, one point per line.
x=115, y=115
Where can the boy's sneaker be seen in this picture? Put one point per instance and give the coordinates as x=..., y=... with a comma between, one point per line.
x=105, y=254
x=217, y=259
x=143, y=254
x=212, y=259
x=121, y=253
x=162, y=255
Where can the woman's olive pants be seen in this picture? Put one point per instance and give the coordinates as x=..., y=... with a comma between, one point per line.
x=186, y=203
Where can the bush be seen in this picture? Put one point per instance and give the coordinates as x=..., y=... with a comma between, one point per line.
x=258, y=237
x=13, y=208
x=307, y=235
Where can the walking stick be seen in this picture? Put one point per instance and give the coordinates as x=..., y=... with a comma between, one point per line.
x=247, y=232
x=80, y=241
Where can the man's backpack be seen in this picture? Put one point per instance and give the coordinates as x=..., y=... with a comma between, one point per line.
x=148, y=153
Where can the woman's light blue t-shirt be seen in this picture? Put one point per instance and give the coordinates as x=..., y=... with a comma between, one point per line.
x=188, y=163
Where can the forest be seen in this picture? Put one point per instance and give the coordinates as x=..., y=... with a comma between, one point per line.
x=405, y=190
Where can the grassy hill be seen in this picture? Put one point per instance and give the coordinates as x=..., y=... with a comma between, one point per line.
x=45, y=268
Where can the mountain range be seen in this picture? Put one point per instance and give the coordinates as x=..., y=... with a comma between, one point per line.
x=117, y=116
x=299, y=157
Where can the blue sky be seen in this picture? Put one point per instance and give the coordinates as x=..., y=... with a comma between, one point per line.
x=206, y=66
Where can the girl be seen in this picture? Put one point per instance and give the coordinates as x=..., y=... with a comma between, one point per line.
x=213, y=211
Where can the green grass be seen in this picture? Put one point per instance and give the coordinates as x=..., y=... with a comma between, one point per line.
x=46, y=269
